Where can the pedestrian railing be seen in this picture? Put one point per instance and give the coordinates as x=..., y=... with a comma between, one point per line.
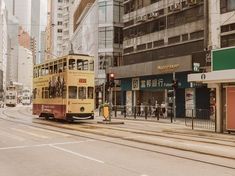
x=141, y=112
x=200, y=119
x=194, y=118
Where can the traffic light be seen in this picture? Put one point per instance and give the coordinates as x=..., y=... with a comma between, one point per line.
x=111, y=80
x=175, y=84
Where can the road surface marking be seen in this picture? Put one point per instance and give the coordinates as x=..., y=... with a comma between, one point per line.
x=48, y=131
x=43, y=145
x=77, y=154
x=30, y=133
x=3, y=133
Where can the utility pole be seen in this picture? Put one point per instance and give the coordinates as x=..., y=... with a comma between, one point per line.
x=174, y=95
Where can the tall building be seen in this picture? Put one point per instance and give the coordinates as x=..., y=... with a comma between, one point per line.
x=97, y=29
x=25, y=66
x=12, y=51
x=3, y=45
x=66, y=27
x=56, y=15
x=24, y=38
x=163, y=38
x=35, y=26
x=43, y=46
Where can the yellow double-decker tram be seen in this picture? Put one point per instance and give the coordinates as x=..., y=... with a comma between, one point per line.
x=63, y=88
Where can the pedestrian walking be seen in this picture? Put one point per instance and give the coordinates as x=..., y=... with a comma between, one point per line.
x=163, y=109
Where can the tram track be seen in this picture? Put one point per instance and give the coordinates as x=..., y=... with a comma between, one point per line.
x=13, y=119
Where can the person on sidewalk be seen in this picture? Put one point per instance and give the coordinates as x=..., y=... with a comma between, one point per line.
x=163, y=109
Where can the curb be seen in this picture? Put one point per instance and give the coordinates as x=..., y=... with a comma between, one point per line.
x=183, y=148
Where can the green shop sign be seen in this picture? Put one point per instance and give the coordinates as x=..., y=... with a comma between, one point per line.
x=223, y=59
x=154, y=82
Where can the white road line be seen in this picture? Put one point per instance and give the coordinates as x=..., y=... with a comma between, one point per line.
x=30, y=133
x=48, y=131
x=77, y=154
x=43, y=145
x=3, y=133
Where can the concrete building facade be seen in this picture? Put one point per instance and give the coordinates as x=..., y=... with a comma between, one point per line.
x=25, y=66
x=97, y=26
x=3, y=45
x=35, y=26
x=161, y=38
x=12, y=51
x=56, y=15
x=220, y=79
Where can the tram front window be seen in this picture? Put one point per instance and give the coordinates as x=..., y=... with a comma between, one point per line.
x=82, y=92
x=73, y=91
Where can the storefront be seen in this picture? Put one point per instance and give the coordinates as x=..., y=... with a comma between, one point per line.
x=148, y=90
x=222, y=80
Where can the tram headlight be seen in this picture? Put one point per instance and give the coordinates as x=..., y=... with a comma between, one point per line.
x=82, y=109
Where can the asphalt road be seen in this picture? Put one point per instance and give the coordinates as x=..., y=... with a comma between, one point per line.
x=30, y=151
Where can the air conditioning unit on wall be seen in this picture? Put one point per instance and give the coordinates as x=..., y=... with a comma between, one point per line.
x=141, y=18
x=153, y=15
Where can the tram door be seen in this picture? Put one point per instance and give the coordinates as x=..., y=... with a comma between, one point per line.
x=230, y=94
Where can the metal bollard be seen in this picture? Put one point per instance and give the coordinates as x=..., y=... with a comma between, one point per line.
x=124, y=111
x=146, y=112
x=115, y=111
x=135, y=112
x=192, y=120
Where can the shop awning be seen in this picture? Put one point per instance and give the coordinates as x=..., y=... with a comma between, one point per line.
x=223, y=76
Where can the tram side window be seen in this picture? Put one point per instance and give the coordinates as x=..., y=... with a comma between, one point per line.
x=71, y=64
x=34, y=93
x=55, y=68
x=85, y=65
x=82, y=92
x=51, y=69
x=90, y=92
x=64, y=65
x=73, y=91
x=43, y=92
x=82, y=65
x=91, y=65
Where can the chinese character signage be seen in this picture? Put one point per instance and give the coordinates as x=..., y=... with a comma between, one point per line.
x=135, y=83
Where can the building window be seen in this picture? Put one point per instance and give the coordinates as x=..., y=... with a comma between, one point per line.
x=105, y=37
x=118, y=37
x=59, y=23
x=196, y=35
x=227, y=28
x=158, y=43
x=175, y=39
x=227, y=5
x=184, y=37
x=59, y=30
x=129, y=50
x=105, y=12
x=60, y=1
x=117, y=11
x=228, y=40
x=141, y=47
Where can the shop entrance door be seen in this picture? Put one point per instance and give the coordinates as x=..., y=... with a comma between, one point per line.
x=230, y=122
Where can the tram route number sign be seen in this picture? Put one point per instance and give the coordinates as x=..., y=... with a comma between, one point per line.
x=82, y=81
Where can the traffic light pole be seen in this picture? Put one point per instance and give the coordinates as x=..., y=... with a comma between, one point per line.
x=110, y=103
x=174, y=102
